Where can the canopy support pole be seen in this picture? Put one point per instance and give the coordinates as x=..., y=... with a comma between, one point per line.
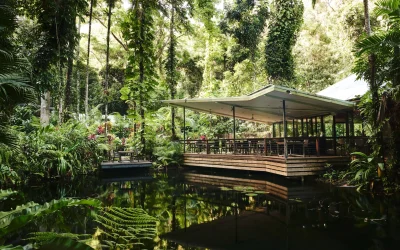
x=284, y=129
x=334, y=133
x=234, y=129
x=273, y=130
x=184, y=132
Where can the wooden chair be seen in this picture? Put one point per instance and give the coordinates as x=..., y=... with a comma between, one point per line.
x=114, y=155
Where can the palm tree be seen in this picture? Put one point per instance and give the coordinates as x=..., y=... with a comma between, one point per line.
x=384, y=46
x=14, y=85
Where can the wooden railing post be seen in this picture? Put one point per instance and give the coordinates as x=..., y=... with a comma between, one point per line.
x=184, y=130
x=285, y=149
x=334, y=133
x=234, y=130
x=207, y=148
x=265, y=146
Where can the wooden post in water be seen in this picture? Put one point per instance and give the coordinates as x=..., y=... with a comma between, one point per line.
x=284, y=129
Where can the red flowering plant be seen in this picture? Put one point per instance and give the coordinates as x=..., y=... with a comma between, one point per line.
x=100, y=130
x=92, y=137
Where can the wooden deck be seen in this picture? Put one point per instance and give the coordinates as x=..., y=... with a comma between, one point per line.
x=125, y=164
x=293, y=166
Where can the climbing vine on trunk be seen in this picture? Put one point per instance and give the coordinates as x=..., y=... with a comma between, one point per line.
x=286, y=20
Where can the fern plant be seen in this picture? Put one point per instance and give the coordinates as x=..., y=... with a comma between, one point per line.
x=43, y=238
x=123, y=228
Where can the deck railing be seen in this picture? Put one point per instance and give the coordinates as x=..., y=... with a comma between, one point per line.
x=296, y=146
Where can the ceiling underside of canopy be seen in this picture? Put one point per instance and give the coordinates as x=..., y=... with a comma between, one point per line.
x=266, y=105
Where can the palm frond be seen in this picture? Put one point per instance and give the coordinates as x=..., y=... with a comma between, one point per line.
x=388, y=8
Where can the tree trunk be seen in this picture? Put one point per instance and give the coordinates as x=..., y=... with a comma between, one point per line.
x=68, y=83
x=141, y=81
x=107, y=63
x=172, y=68
x=61, y=95
x=45, y=109
x=371, y=60
x=78, y=76
x=87, y=61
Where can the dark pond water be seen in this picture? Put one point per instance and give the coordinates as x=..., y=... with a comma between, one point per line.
x=217, y=210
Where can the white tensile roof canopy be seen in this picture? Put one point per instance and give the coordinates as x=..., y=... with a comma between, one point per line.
x=266, y=105
x=349, y=88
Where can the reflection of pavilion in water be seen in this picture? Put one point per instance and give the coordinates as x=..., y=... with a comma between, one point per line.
x=279, y=197
x=274, y=214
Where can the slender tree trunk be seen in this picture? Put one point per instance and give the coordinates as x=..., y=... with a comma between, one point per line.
x=45, y=109
x=141, y=80
x=78, y=76
x=110, y=3
x=135, y=112
x=68, y=83
x=61, y=96
x=172, y=67
x=87, y=61
x=371, y=60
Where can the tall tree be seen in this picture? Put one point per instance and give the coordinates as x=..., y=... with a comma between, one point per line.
x=78, y=75
x=180, y=11
x=245, y=21
x=109, y=13
x=287, y=17
x=57, y=26
x=14, y=71
x=140, y=74
x=88, y=59
x=378, y=61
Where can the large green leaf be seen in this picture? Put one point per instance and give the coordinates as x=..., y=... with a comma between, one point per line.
x=65, y=244
x=360, y=154
x=11, y=247
x=13, y=220
x=4, y=194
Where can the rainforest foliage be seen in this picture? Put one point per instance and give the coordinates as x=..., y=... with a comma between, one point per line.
x=95, y=72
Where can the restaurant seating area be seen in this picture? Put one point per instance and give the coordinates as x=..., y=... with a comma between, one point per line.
x=306, y=132
x=310, y=146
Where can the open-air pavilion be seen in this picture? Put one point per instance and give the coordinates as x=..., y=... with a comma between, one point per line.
x=308, y=131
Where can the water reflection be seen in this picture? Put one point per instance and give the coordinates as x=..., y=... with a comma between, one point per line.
x=217, y=210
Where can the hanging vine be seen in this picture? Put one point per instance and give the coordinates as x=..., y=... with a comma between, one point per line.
x=287, y=17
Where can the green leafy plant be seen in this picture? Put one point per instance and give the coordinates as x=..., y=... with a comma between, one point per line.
x=123, y=228
x=5, y=194
x=63, y=240
x=8, y=175
x=169, y=153
x=23, y=214
x=363, y=170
